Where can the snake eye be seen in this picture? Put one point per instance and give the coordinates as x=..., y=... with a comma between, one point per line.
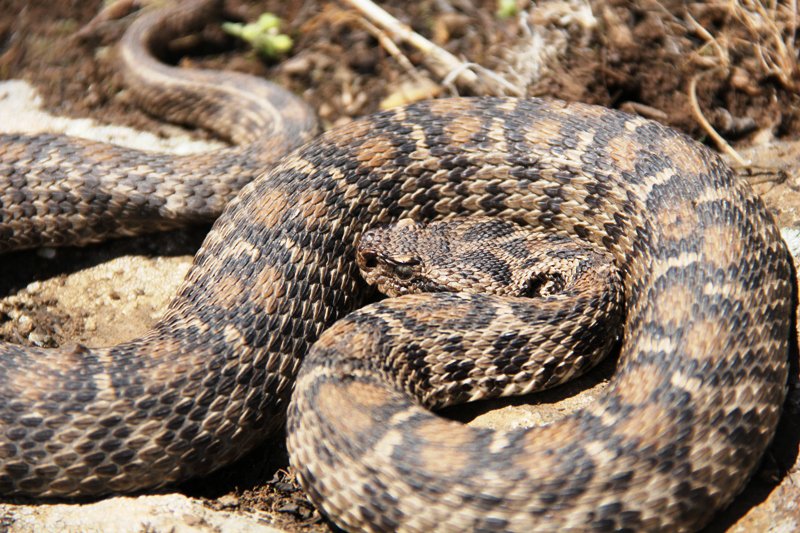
x=404, y=266
x=404, y=271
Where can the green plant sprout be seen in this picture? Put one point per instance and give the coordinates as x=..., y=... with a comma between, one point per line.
x=506, y=9
x=263, y=35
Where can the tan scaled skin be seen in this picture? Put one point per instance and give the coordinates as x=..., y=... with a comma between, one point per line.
x=701, y=378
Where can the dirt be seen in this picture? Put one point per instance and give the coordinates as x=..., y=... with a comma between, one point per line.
x=640, y=53
x=640, y=56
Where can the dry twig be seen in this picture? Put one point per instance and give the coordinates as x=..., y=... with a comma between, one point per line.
x=722, y=144
x=390, y=46
x=441, y=62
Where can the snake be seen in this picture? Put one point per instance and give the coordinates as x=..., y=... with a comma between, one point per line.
x=273, y=325
x=566, y=295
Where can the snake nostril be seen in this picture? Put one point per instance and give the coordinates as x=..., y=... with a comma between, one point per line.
x=369, y=259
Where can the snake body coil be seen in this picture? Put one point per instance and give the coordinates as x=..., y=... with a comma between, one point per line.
x=694, y=403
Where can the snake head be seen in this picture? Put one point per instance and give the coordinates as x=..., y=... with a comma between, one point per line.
x=473, y=255
x=387, y=260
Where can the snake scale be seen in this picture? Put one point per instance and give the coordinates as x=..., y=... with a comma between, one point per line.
x=690, y=410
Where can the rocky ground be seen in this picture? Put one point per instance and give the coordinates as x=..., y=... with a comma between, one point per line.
x=620, y=54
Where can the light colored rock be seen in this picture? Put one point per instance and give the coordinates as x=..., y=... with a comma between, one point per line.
x=20, y=101
x=169, y=513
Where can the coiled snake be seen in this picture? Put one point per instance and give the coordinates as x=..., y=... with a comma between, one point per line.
x=694, y=402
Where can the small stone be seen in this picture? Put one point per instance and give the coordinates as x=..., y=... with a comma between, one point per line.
x=288, y=508
x=285, y=487
x=228, y=500
x=38, y=338
x=24, y=325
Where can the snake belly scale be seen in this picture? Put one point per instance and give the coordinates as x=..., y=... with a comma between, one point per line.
x=692, y=406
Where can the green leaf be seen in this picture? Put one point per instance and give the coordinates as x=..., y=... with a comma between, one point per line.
x=263, y=35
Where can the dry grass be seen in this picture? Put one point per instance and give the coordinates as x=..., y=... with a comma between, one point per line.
x=772, y=28
x=744, y=43
x=761, y=36
x=441, y=62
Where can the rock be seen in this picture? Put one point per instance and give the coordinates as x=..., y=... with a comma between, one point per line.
x=173, y=513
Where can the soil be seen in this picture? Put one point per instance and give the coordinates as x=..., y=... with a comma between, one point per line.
x=638, y=56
